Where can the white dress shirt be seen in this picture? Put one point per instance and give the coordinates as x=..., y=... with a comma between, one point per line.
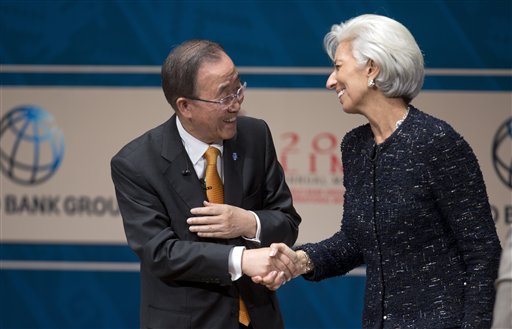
x=195, y=150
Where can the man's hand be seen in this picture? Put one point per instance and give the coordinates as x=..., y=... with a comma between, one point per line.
x=277, y=261
x=222, y=221
x=294, y=264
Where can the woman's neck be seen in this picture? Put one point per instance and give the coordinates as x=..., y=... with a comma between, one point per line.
x=385, y=117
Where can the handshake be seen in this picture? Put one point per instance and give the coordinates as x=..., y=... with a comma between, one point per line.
x=275, y=265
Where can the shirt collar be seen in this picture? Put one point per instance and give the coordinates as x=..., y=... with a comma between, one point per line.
x=194, y=147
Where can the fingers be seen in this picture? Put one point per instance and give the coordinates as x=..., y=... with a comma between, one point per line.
x=283, y=266
x=267, y=279
x=257, y=262
x=272, y=281
x=202, y=225
x=268, y=267
x=285, y=250
x=202, y=221
x=208, y=224
x=273, y=261
x=221, y=221
x=285, y=259
x=257, y=279
x=278, y=282
x=204, y=229
x=209, y=209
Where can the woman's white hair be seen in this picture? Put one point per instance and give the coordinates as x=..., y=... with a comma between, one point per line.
x=390, y=45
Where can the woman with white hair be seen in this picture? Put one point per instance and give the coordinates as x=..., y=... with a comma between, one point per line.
x=416, y=210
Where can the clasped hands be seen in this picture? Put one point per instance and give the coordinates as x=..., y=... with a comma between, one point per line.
x=273, y=266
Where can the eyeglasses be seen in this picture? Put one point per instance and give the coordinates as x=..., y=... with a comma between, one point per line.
x=227, y=101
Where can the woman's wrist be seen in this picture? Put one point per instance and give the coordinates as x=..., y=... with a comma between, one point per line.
x=305, y=262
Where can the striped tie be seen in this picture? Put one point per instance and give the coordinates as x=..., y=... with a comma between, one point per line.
x=215, y=194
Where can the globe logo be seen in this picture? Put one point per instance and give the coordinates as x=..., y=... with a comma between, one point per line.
x=31, y=145
x=502, y=152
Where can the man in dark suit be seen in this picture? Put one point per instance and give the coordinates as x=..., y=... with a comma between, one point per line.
x=197, y=257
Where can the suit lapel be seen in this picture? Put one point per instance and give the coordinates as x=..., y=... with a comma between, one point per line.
x=188, y=186
x=233, y=158
x=180, y=170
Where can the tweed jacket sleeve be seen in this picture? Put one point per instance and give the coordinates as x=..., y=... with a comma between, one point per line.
x=459, y=191
x=338, y=254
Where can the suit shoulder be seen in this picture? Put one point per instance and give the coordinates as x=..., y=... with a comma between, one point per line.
x=252, y=127
x=139, y=145
x=250, y=122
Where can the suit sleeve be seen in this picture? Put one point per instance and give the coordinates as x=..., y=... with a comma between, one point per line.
x=279, y=220
x=150, y=235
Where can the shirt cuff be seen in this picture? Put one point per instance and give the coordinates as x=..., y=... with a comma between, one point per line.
x=235, y=262
x=258, y=229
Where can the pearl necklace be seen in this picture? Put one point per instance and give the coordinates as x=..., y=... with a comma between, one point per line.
x=399, y=122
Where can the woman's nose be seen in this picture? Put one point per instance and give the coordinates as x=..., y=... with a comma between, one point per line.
x=331, y=81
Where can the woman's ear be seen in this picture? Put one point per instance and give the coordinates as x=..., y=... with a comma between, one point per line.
x=372, y=70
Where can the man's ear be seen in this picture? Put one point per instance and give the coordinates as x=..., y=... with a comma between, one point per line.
x=184, y=107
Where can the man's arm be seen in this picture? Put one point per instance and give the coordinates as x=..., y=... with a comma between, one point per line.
x=150, y=234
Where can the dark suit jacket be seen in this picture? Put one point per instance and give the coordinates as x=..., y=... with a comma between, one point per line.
x=185, y=281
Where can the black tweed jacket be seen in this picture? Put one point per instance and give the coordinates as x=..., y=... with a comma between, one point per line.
x=416, y=212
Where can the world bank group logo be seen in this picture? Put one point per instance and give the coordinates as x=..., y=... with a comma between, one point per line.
x=502, y=152
x=31, y=145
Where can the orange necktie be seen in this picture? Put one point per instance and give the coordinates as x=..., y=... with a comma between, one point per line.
x=215, y=194
x=214, y=187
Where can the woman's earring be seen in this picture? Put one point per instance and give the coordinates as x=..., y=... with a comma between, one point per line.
x=371, y=83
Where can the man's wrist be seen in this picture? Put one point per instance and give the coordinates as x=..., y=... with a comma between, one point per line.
x=255, y=228
x=235, y=262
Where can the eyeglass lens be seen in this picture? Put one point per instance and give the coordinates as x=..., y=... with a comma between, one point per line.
x=230, y=99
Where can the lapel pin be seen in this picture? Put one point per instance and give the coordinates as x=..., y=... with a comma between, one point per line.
x=235, y=156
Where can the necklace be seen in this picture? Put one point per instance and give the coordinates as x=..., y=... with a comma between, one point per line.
x=399, y=122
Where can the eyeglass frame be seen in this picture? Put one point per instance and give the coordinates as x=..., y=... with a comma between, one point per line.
x=238, y=96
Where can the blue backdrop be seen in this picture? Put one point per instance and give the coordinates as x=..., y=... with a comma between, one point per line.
x=262, y=34
x=453, y=34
